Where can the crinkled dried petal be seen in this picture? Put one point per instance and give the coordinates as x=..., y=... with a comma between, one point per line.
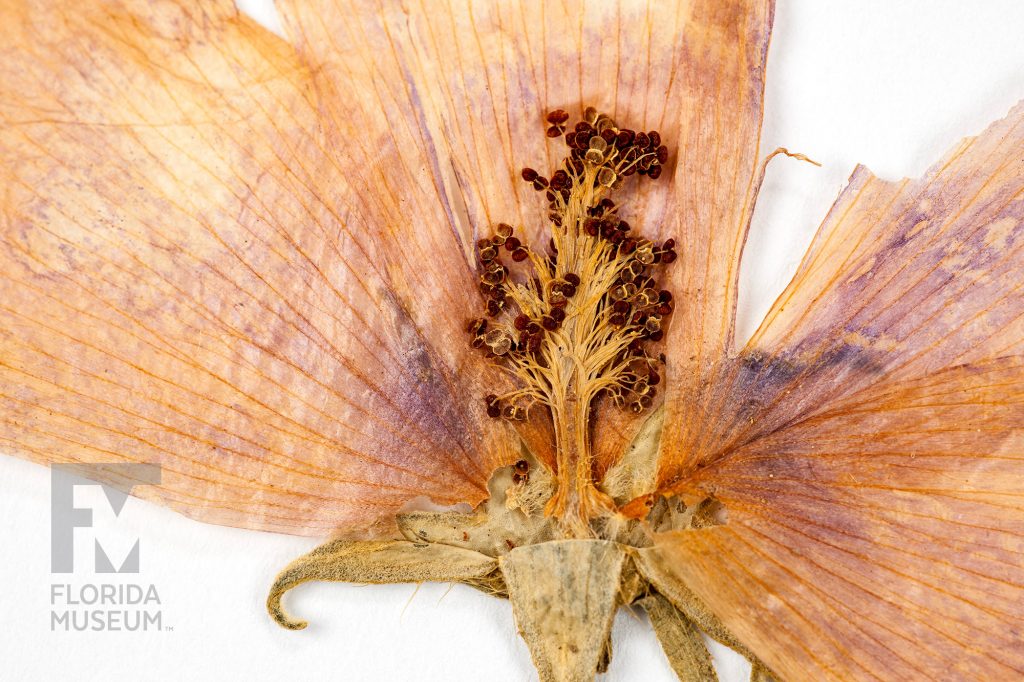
x=459, y=90
x=867, y=445
x=197, y=272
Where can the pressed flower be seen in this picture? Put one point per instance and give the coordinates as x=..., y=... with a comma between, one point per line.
x=456, y=287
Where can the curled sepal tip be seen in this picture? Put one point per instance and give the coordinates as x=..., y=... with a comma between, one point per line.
x=393, y=561
x=680, y=640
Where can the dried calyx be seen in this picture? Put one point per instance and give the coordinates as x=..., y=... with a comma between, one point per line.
x=572, y=322
x=564, y=592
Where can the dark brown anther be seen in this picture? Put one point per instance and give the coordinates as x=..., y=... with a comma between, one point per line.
x=668, y=257
x=533, y=345
x=656, y=336
x=558, y=315
x=495, y=273
x=533, y=328
x=654, y=172
x=558, y=116
x=608, y=135
x=585, y=129
x=488, y=254
x=493, y=406
x=624, y=138
x=572, y=278
x=570, y=138
x=483, y=243
x=522, y=466
x=617, y=320
x=529, y=174
x=662, y=154
x=664, y=309
x=520, y=254
x=554, y=131
x=550, y=196
x=540, y=183
x=549, y=323
x=664, y=296
x=477, y=342
x=592, y=226
x=493, y=308
x=621, y=307
x=512, y=243
x=568, y=290
x=521, y=322
x=653, y=378
x=655, y=138
x=641, y=140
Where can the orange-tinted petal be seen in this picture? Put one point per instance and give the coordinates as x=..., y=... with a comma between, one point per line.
x=877, y=540
x=903, y=279
x=867, y=444
x=461, y=89
x=197, y=271
x=723, y=73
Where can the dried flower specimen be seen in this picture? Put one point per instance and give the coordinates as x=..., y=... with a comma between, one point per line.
x=484, y=254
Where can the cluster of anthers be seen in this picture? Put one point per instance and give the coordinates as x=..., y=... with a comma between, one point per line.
x=571, y=324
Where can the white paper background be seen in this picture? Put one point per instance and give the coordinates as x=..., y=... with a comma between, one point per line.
x=892, y=85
